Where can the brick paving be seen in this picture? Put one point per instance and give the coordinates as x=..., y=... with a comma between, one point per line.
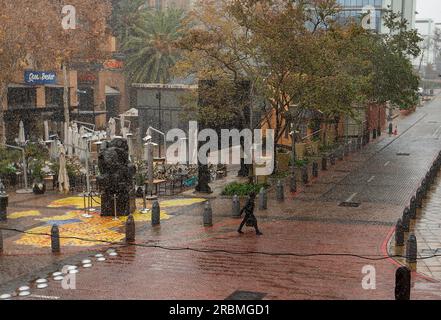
x=308, y=222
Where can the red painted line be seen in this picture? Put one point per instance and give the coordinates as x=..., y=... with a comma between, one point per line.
x=396, y=263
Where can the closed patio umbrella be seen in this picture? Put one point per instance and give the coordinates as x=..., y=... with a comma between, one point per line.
x=63, y=178
x=21, y=134
x=111, y=127
x=46, y=130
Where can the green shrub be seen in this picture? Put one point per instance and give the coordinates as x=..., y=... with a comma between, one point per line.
x=242, y=189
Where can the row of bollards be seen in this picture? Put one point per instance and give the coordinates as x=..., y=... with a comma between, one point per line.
x=130, y=229
x=404, y=224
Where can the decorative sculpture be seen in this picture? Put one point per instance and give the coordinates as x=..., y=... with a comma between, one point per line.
x=116, y=179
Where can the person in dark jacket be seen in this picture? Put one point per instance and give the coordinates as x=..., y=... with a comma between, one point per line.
x=250, y=218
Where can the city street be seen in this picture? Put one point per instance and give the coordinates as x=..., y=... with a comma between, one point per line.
x=303, y=253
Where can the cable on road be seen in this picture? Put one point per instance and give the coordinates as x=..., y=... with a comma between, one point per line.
x=230, y=252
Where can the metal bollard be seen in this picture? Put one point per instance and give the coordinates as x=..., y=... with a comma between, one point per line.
x=130, y=229
x=402, y=283
x=411, y=249
x=374, y=134
x=406, y=220
x=412, y=208
x=1, y=241
x=305, y=175
x=424, y=187
x=208, y=215
x=399, y=234
x=236, y=207
x=391, y=129
x=419, y=197
x=280, y=192
x=324, y=164
x=55, y=239
x=293, y=183
x=263, y=199
x=315, y=169
x=3, y=203
x=156, y=214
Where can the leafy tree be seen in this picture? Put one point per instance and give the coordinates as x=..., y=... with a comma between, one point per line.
x=31, y=35
x=150, y=48
x=126, y=16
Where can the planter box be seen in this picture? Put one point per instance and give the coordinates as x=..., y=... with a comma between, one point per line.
x=283, y=161
x=300, y=150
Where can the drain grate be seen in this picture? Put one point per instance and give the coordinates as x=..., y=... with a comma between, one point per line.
x=246, y=295
x=350, y=204
x=403, y=154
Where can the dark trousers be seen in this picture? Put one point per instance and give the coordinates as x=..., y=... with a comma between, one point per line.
x=244, y=221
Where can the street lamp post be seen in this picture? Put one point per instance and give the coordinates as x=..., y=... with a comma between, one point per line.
x=159, y=97
x=293, y=181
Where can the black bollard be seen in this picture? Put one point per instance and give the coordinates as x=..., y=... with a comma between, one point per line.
x=3, y=203
x=315, y=169
x=340, y=153
x=130, y=229
x=305, y=175
x=391, y=129
x=293, y=183
x=412, y=208
x=263, y=199
x=208, y=215
x=402, y=283
x=324, y=164
x=156, y=214
x=406, y=220
x=411, y=249
x=399, y=234
x=419, y=198
x=374, y=134
x=1, y=241
x=55, y=239
x=280, y=192
x=236, y=207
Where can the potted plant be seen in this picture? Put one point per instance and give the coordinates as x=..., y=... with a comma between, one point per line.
x=283, y=157
x=38, y=186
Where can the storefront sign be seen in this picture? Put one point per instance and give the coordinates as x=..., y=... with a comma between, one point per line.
x=40, y=77
x=113, y=64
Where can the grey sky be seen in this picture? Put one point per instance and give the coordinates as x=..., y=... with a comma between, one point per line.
x=429, y=9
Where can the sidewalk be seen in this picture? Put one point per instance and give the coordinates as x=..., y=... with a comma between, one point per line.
x=311, y=222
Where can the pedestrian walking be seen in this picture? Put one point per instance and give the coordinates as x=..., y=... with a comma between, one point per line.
x=250, y=219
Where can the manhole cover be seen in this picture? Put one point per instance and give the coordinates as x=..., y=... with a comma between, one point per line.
x=403, y=154
x=246, y=295
x=350, y=204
